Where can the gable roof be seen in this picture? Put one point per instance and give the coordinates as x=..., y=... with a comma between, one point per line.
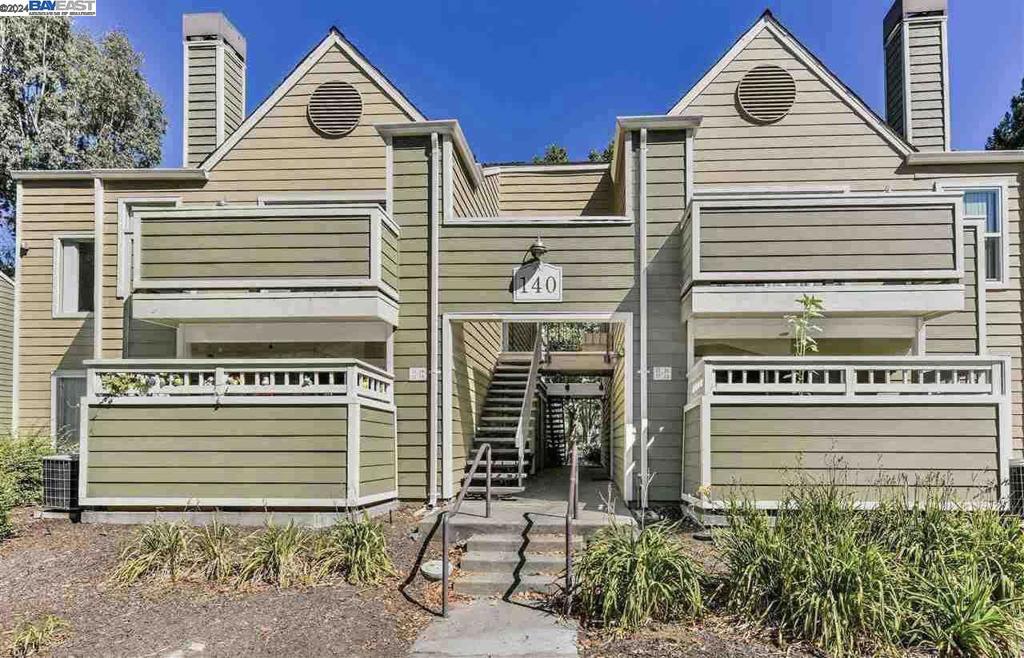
x=333, y=39
x=768, y=22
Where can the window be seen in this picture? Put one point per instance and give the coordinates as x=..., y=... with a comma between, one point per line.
x=984, y=204
x=67, y=388
x=72, y=276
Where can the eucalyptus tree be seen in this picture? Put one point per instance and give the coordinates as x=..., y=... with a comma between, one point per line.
x=70, y=101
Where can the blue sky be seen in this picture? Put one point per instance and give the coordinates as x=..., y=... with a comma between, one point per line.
x=520, y=75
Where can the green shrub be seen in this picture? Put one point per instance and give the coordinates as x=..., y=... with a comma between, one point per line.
x=626, y=577
x=814, y=573
x=6, y=527
x=158, y=548
x=956, y=612
x=916, y=571
x=215, y=551
x=30, y=638
x=277, y=555
x=356, y=549
x=21, y=468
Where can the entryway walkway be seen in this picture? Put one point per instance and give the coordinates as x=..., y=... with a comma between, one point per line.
x=491, y=628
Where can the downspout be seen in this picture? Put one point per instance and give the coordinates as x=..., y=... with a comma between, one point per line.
x=433, y=333
x=16, y=338
x=642, y=228
x=97, y=311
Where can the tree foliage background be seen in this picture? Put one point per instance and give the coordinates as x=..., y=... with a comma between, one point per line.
x=69, y=101
x=1009, y=134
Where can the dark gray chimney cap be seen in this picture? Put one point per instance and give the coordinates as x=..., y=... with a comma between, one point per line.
x=909, y=8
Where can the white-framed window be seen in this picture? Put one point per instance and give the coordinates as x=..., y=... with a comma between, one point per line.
x=73, y=275
x=987, y=201
x=67, y=387
x=126, y=239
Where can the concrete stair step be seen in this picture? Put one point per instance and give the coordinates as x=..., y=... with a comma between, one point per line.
x=534, y=543
x=508, y=562
x=494, y=584
x=495, y=490
x=465, y=526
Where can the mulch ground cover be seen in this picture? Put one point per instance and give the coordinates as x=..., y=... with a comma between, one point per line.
x=56, y=567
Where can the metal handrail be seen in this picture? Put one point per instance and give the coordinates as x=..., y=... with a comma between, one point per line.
x=447, y=515
x=571, y=513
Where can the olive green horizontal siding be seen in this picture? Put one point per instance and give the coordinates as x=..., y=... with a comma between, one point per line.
x=477, y=264
x=201, y=94
x=475, y=350
x=553, y=193
x=376, y=451
x=821, y=239
x=470, y=201
x=957, y=333
x=894, y=83
x=389, y=258
x=238, y=451
x=177, y=248
x=6, y=352
x=234, y=91
x=927, y=83
x=691, y=451
x=758, y=449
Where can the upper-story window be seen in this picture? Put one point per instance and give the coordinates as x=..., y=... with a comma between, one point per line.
x=73, y=276
x=987, y=203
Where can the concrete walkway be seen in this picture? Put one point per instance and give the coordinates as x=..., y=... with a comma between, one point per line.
x=491, y=628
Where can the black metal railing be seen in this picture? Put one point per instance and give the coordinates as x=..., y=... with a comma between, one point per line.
x=447, y=515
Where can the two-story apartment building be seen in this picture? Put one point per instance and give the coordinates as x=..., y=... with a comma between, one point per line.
x=313, y=311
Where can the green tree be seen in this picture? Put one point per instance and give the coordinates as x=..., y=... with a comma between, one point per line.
x=604, y=155
x=68, y=101
x=553, y=154
x=1009, y=134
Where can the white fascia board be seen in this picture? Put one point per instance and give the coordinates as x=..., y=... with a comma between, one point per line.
x=731, y=327
x=852, y=300
x=527, y=220
x=804, y=57
x=448, y=128
x=964, y=157
x=566, y=168
x=267, y=212
x=110, y=174
x=307, y=306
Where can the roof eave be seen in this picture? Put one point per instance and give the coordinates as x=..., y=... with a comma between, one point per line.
x=110, y=174
x=964, y=157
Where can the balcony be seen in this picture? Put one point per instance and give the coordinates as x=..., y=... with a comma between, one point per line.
x=753, y=424
x=308, y=262
x=892, y=254
x=315, y=433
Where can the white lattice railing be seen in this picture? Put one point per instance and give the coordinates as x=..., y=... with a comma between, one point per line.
x=192, y=378
x=847, y=376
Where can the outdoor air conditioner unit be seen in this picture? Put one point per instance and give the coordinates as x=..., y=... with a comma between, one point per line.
x=1017, y=486
x=60, y=483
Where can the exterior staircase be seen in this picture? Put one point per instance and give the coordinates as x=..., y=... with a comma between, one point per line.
x=499, y=421
x=555, y=422
x=507, y=564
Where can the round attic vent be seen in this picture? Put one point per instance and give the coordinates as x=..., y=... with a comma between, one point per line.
x=335, y=108
x=766, y=93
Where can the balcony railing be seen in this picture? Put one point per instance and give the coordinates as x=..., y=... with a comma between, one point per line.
x=842, y=237
x=174, y=381
x=848, y=376
x=278, y=247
